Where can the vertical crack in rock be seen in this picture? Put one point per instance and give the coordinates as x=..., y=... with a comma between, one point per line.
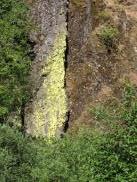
x=66, y=124
x=46, y=113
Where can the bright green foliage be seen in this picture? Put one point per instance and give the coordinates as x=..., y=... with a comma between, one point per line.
x=69, y=159
x=87, y=156
x=109, y=36
x=15, y=59
x=118, y=161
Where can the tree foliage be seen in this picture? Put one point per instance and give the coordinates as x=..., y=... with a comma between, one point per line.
x=15, y=54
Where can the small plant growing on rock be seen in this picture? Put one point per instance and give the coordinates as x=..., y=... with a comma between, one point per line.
x=79, y=3
x=104, y=15
x=109, y=36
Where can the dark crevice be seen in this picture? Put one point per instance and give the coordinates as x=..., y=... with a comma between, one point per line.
x=67, y=47
x=66, y=54
x=66, y=60
x=22, y=115
x=66, y=124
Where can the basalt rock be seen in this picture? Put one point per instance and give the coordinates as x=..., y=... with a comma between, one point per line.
x=78, y=69
x=45, y=114
x=94, y=72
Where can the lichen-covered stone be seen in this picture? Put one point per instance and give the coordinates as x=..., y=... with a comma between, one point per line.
x=46, y=114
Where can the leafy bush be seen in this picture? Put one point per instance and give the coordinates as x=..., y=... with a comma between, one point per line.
x=86, y=156
x=109, y=36
x=16, y=154
x=119, y=162
x=15, y=57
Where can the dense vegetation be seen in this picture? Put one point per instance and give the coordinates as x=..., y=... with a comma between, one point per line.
x=15, y=55
x=90, y=155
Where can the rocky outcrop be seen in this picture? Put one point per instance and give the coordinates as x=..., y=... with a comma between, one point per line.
x=96, y=73
x=45, y=114
x=79, y=69
x=95, y=70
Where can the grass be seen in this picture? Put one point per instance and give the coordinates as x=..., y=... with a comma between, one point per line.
x=109, y=36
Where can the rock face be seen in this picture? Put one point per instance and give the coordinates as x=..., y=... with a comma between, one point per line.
x=79, y=68
x=95, y=73
x=45, y=114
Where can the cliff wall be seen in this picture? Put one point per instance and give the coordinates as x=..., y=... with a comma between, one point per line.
x=100, y=55
x=102, y=38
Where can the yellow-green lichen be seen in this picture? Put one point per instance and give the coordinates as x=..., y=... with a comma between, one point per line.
x=50, y=106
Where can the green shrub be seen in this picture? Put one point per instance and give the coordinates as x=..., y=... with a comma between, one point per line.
x=109, y=36
x=15, y=55
x=89, y=155
x=119, y=161
x=16, y=154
